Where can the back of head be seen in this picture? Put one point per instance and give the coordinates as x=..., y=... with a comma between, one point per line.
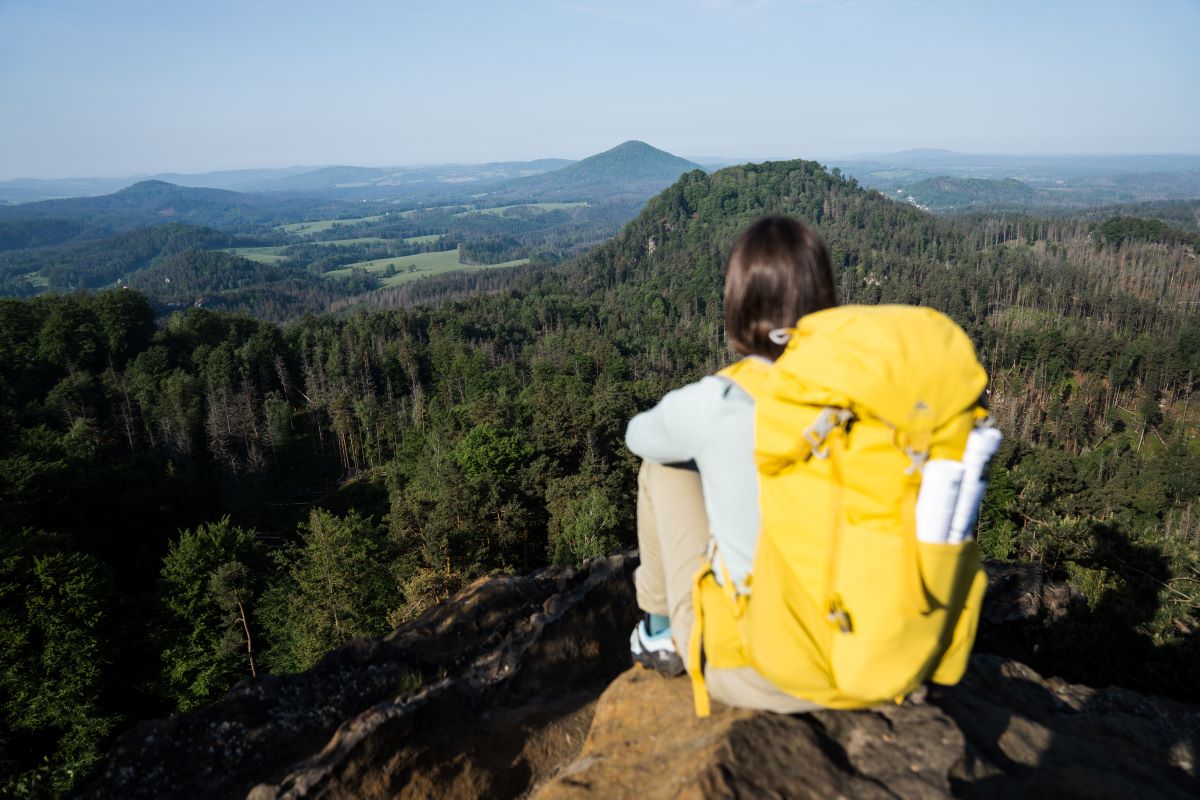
x=778, y=271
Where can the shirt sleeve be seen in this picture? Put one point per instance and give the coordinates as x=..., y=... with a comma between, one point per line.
x=676, y=428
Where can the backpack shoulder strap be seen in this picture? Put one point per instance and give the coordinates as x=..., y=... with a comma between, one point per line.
x=750, y=374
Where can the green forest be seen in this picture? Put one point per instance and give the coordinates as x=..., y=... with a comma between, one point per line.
x=279, y=272
x=195, y=497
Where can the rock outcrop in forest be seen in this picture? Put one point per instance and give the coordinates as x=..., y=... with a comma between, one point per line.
x=519, y=686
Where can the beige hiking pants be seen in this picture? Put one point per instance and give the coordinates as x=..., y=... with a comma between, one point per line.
x=673, y=538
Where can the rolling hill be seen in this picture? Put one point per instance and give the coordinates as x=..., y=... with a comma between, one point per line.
x=945, y=193
x=152, y=203
x=631, y=169
x=336, y=181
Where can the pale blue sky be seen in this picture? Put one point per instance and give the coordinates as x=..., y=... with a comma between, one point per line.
x=117, y=87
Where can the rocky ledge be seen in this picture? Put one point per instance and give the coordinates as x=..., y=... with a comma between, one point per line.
x=519, y=686
x=1004, y=732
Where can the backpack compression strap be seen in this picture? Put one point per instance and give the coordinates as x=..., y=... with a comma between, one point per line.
x=696, y=645
x=737, y=602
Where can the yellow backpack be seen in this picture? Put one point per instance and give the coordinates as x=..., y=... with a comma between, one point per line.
x=844, y=606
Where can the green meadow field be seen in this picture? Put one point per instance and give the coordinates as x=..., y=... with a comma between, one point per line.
x=423, y=265
x=410, y=212
x=318, y=226
x=275, y=254
x=498, y=210
x=263, y=255
x=376, y=240
x=362, y=240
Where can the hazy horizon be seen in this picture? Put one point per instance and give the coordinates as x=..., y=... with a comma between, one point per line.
x=709, y=157
x=137, y=88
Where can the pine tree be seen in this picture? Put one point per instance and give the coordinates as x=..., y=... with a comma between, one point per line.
x=54, y=634
x=209, y=574
x=338, y=585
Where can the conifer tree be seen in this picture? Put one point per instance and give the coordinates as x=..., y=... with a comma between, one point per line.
x=208, y=575
x=54, y=640
x=338, y=585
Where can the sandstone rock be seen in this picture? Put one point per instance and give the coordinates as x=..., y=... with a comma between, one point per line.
x=1004, y=732
x=508, y=669
x=1020, y=593
x=493, y=693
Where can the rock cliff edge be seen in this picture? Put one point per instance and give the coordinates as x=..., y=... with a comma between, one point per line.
x=520, y=686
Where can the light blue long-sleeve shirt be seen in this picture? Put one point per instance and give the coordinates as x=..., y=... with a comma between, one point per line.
x=710, y=422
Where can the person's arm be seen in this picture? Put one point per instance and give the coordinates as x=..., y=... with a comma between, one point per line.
x=675, y=429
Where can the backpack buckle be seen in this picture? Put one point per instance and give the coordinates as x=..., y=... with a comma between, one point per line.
x=839, y=616
x=830, y=419
x=917, y=459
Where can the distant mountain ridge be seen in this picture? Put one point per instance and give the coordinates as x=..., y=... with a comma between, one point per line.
x=387, y=182
x=631, y=159
x=997, y=164
x=632, y=171
x=151, y=203
x=632, y=168
x=159, y=197
x=326, y=179
x=27, y=190
x=947, y=181
x=392, y=181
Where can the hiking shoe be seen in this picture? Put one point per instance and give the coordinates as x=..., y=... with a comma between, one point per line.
x=656, y=652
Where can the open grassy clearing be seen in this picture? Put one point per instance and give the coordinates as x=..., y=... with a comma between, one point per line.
x=422, y=266
x=263, y=255
x=430, y=263
x=362, y=240
x=378, y=240
x=305, y=228
x=275, y=254
x=405, y=277
x=412, y=211
x=498, y=210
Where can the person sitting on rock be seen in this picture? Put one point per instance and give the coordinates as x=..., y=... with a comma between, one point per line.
x=698, y=481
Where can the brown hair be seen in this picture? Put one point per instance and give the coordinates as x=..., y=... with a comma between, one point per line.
x=778, y=271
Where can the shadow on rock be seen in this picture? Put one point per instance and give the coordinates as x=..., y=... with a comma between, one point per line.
x=1035, y=737
x=1051, y=626
x=1004, y=732
x=509, y=672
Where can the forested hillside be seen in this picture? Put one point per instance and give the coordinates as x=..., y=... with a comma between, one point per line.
x=149, y=203
x=280, y=272
x=190, y=504
x=96, y=264
x=300, y=254
x=957, y=194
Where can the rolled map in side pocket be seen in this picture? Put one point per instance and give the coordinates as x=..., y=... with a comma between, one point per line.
x=940, y=486
x=981, y=446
